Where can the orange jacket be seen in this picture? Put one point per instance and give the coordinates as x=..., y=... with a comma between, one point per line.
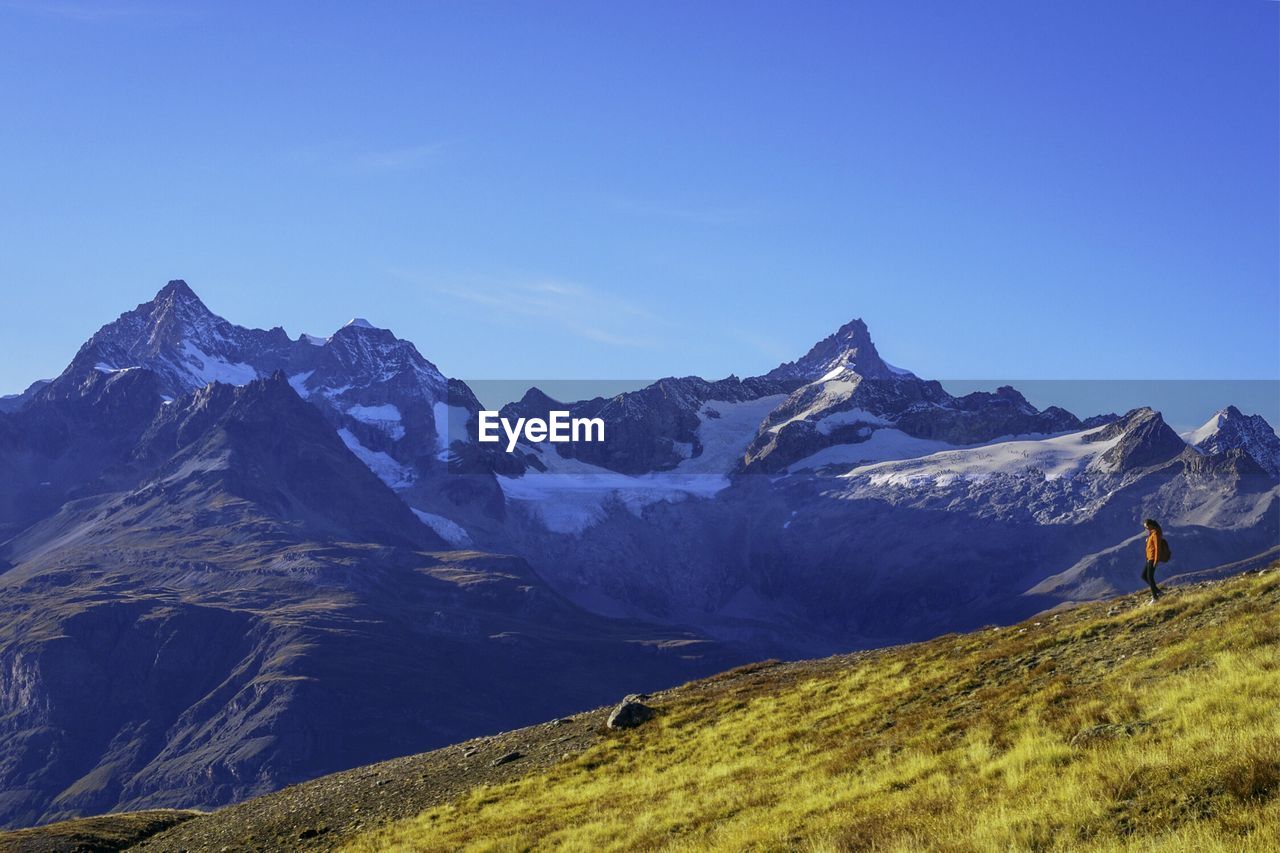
x=1153, y=546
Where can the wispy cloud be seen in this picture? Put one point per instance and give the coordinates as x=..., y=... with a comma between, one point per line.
x=403, y=159
x=569, y=307
x=348, y=158
x=694, y=213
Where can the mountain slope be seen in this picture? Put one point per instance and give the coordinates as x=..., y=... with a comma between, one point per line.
x=1111, y=725
x=199, y=669
x=1103, y=727
x=239, y=604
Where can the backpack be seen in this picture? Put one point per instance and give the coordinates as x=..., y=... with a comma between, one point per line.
x=1163, y=553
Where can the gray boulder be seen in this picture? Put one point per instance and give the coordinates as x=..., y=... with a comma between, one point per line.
x=630, y=712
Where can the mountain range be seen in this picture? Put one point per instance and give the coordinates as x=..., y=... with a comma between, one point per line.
x=233, y=560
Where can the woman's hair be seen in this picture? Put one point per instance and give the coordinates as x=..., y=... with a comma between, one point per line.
x=1154, y=525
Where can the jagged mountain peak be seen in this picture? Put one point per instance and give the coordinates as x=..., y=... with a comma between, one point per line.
x=360, y=354
x=538, y=398
x=177, y=289
x=849, y=348
x=176, y=310
x=1142, y=440
x=1229, y=418
x=1124, y=423
x=173, y=305
x=855, y=330
x=273, y=385
x=377, y=391
x=1006, y=396
x=1231, y=429
x=363, y=328
x=176, y=336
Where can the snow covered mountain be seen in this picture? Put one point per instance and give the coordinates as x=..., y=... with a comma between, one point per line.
x=391, y=407
x=181, y=341
x=1230, y=429
x=843, y=407
x=837, y=432
x=831, y=416
x=838, y=405
x=919, y=538
x=359, y=373
x=849, y=349
x=879, y=487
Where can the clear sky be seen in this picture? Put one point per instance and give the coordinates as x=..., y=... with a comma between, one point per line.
x=1000, y=189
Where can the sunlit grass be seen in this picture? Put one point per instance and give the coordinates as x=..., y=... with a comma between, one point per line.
x=1156, y=728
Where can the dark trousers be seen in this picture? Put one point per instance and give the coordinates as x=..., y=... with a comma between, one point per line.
x=1149, y=575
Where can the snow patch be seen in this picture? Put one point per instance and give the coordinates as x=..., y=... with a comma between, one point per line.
x=724, y=439
x=205, y=368
x=451, y=426
x=298, y=382
x=1205, y=432
x=571, y=495
x=1056, y=457
x=833, y=392
x=881, y=446
x=385, y=417
x=389, y=471
x=827, y=425
x=898, y=370
x=449, y=531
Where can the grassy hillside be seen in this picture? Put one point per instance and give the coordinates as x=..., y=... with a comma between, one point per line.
x=1108, y=726
x=93, y=834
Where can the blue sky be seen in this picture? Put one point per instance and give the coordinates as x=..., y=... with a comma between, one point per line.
x=1000, y=189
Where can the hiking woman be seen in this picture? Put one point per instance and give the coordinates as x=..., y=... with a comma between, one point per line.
x=1154, y=535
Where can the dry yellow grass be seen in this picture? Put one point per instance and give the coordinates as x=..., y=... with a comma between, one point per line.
x=1137, y=729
